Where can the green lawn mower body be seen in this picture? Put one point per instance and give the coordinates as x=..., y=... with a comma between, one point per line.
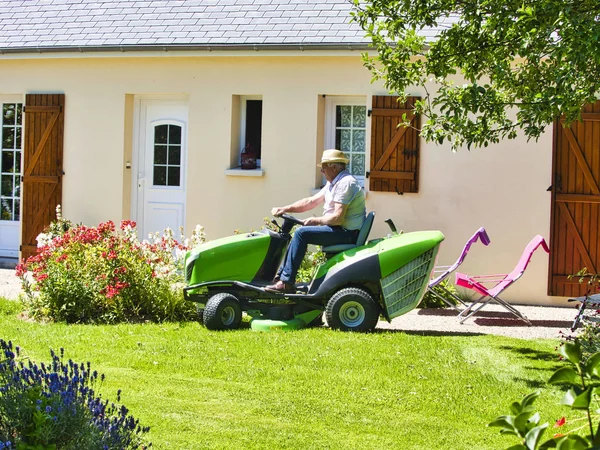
x=386, y=277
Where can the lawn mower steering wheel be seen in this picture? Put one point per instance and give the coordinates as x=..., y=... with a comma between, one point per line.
x=292, y=219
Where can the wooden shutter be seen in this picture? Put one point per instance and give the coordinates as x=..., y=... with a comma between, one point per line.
x=575, y=211
x=42, y=166
x=394, y=150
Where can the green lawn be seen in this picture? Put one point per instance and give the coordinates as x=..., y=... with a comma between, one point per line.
x=311, y=389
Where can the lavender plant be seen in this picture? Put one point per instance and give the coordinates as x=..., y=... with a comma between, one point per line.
x=54, y=406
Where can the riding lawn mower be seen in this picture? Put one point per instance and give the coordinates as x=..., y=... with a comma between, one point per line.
x=356, y=285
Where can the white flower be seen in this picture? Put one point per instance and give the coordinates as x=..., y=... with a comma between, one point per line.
x=43, y=240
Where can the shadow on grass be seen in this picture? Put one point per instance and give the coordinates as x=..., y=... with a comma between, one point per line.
x=428, y=332
x=532, y=384
x=531, y=353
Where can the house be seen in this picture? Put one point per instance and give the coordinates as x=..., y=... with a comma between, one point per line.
x=141, y=109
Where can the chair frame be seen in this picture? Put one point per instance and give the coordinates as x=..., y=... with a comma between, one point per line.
x=445, y=271
x=500, y=283
x=588, y=300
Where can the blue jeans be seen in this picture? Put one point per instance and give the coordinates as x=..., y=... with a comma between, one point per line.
x=317, y=235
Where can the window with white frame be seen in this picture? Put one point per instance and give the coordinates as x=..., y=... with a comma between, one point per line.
x=346, y=130
x=11, y=124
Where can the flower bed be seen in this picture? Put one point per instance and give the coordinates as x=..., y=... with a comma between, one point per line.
x=106, y=275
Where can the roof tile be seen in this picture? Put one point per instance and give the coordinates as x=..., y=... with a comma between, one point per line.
x=79, y=23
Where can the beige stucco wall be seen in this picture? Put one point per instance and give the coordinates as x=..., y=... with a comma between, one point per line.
x=502, y=187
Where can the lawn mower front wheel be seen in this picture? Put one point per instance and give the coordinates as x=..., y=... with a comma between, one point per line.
x=222, y=312
x=352, y=309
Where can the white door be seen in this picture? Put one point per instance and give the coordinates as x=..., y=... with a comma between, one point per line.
x=160, y=165
x=11, y=124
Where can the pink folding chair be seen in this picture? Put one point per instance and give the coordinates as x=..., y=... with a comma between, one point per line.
x=501, y=282
x=445, y=271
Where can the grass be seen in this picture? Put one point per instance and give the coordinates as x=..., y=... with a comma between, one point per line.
x=313, y=388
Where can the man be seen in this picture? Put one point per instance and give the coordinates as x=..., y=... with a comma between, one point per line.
x=343, y=216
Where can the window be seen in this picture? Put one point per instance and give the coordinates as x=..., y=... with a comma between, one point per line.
x=167, y=155
x=10, y=137
x=252, y=126
x=246, y=136
x=346, y=130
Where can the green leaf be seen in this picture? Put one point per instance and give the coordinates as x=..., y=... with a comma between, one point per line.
x=572, y=442
x=592, y=366
x=503, y=421
x=582, y=401
x=571, y=351
x=521, y=422
x=570, y=396
x=563, y=375
x=534, y=435
x=515, y=408
x=529, y=399
x=550, y=443
x=517, y=447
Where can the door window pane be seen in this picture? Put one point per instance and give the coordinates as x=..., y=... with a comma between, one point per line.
x=10, y=162
x=160, y=176
x=173, y=176
x=174, y=155
x=167, y=155
x=160, y=154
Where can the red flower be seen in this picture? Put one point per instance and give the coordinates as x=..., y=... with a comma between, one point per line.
x=20, y=270
x=560, y=422
x=127, y=223
x=40, y=277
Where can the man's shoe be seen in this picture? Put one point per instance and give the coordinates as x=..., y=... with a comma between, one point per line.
x=281, y=287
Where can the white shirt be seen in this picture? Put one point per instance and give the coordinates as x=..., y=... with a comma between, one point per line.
x=345, y=189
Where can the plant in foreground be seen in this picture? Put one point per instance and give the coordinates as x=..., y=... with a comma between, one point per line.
x=582, y=378
x=103, y=274
x=54, y=406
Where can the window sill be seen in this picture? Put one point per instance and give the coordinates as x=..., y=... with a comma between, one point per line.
x=245, y=172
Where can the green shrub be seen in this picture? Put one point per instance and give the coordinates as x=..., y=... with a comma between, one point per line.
x=432, y=301
x=103, y=275
x=313, y=258
x=589, y=334
x=54, y=406
x=581, y=379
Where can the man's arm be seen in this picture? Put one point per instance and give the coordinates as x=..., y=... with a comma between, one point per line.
x=302, y=205
x=335, y=218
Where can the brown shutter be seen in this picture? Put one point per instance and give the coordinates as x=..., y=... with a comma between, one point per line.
x=42, y=166
x=575, y=214
x=394, y=150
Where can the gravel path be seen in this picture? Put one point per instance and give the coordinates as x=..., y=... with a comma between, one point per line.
x=547, y=322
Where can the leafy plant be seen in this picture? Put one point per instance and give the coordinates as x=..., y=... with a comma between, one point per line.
x=432, y=301
x=314, y=257
x=589, y=334
x=56, y=228
x=493, y=68
x=103, y=275
x=54, y=406
x=582, y=378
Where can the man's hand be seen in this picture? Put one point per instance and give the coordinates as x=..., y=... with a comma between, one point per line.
x=312, y=221
x=278, y=211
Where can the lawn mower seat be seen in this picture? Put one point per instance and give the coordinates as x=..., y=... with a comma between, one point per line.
x=363, y=234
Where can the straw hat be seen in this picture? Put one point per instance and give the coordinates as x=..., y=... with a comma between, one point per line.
x=333, y=156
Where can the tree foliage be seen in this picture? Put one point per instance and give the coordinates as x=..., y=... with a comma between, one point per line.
x=488, y=67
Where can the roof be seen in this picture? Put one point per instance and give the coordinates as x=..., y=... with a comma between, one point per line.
x=121, y=25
